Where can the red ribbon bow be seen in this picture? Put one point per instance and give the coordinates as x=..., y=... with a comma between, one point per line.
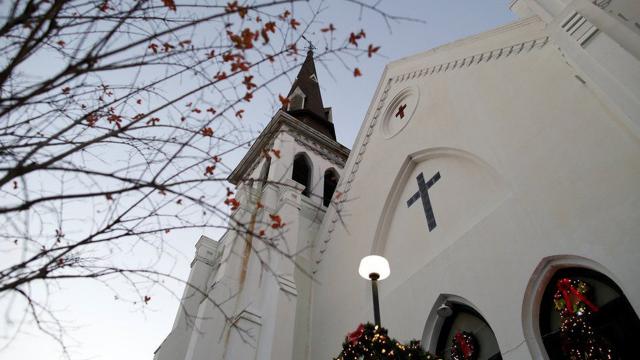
x=353, y=337
x=466, y=349
x=566, y=289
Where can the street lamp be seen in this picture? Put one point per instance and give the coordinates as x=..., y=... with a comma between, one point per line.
x=374, y=268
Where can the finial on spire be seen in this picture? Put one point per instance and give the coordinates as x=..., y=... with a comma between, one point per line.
x=310, y=46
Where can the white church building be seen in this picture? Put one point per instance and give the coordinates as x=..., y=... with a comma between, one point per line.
x=484, y=171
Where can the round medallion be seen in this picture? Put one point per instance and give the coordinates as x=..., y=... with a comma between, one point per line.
x=399, y=111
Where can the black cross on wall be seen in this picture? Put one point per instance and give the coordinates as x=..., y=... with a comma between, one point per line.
x=423, y=193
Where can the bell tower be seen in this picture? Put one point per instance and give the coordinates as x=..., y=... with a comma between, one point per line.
x=259, y=280
x=298, y=144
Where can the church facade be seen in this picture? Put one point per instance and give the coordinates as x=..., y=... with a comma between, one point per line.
x=499, y=175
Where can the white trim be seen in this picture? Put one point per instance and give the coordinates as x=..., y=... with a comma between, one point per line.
x=434, y=323
x=403, y=175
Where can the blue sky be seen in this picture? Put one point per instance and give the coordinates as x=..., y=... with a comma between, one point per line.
x=99, y=327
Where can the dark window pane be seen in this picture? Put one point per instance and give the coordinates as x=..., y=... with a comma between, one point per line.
x=302, y=173
x=466, y=319
x=330, y=183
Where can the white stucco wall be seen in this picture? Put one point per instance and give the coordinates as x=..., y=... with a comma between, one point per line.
x=535, y=132
x=534, y=163
x=264, y=293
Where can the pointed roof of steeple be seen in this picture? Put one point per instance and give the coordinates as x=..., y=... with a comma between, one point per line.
x=313, y=112
x=307, y=117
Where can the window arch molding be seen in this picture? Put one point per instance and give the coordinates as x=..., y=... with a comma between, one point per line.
x=435, y=324
x=535, y=290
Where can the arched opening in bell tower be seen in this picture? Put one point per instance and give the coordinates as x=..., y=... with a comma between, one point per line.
x=331, y=178
x=302, y=172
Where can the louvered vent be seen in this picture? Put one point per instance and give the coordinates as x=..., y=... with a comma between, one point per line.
x=296, y=102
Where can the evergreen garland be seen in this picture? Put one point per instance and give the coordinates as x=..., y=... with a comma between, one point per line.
x=370, y=342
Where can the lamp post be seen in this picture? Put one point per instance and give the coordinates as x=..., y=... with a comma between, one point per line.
x=374, y=268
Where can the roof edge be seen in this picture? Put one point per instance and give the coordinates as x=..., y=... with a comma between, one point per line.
x=471, y=38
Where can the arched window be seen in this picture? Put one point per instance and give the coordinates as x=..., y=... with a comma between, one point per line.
x=264, y=172
x=302, y=172
x=577, y=299
x=330, y=182
x=465, y=332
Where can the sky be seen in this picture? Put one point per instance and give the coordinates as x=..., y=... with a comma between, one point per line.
x=103, y=328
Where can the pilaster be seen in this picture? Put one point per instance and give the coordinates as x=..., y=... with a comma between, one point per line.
x=176, y=344
x=279, y=292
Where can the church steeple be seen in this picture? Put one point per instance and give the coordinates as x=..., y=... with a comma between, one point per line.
x=305, y=99
x=303, y=114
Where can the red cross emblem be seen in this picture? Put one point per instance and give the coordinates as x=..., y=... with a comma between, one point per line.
x=401, y=111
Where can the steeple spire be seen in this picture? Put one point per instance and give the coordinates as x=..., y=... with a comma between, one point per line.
x=305, y=99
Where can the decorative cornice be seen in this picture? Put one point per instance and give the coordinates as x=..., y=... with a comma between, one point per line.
x=461, y=43
x=202, y=259
x=280, y=119
x=316, y=148
x=479, y=58
x=209, y=247
x=207, y=242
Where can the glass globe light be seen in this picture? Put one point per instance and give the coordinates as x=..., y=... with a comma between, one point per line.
x=374, y=265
